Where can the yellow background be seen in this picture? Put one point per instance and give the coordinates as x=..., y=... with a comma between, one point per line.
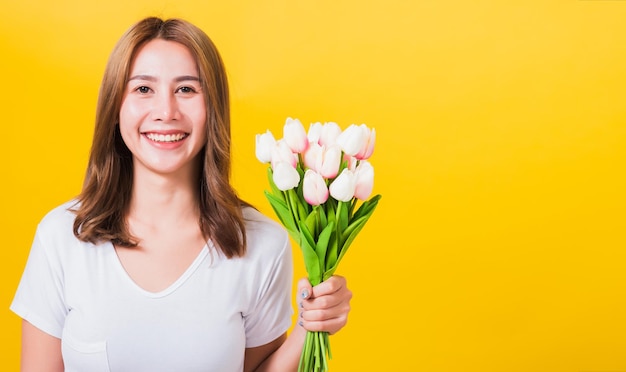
x=499, y=244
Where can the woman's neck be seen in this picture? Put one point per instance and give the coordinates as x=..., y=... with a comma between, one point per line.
x=164, y=200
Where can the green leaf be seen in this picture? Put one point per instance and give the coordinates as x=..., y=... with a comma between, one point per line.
x=284, y=215
x=355, y=231
x=330, y=209
x=322, y=220
x=275, y=191
x=350, y=233
x=342, y=216
x=311, y=261
x=323, y=243
x=292, y=203
x=311, y=222
x=341, y=223
x=367, y=207
x=354, y=225
x=332, y=251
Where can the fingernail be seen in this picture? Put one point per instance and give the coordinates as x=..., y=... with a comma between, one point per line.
x=305, y=293
x=300, y=305
x=300, y=323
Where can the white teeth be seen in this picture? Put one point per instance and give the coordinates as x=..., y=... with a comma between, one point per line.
x=166, y=137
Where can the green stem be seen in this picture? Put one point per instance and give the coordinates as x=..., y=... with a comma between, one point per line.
x=338, y=228
x=352, y=207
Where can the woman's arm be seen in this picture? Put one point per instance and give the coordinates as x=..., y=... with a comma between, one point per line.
x=324, y=308
x=41, y=352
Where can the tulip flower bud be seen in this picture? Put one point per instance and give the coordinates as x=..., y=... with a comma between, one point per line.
x=311, y=155
x=264, y=144
x=363, y=180
x=368, y=146
x=328, y=163
x=314, y=188
x=343, y=186
x=352, y=140
x=315, y=131
x=285, y=176
x=329, y=134
x=282, y=153
x=295, y=135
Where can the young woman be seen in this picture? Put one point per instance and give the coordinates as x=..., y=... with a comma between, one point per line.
x=158, y=265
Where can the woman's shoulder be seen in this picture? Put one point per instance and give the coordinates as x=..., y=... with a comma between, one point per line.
x=59, y=220
x=261, y=229
x=257, y=222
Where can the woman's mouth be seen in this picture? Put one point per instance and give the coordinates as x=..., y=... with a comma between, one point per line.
x=166, y=138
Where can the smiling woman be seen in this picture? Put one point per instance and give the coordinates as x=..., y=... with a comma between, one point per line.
x=163, y=113
x=158, y=265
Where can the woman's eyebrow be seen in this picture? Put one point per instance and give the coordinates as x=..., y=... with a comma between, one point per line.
x=186, y=78
x=153, y=78
x=143, y=77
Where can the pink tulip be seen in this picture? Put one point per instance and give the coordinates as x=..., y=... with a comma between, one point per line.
x=285, y=176
x=314, y=188
x=328, y=163
x=282, y=153
x=368, y=146
x=329, y=134
x=264, y=144
x=363, y=180
x=343, y=186
x=295, y=135
x=352, y=139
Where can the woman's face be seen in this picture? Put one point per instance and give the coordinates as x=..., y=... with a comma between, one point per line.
x=163, y=114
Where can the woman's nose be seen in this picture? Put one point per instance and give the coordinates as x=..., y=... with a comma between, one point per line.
x=165, y=108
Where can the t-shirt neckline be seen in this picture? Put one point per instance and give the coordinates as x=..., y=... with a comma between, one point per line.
x=169, y=289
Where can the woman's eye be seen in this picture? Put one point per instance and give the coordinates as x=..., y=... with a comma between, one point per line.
x=186, y=89
x=143, y=90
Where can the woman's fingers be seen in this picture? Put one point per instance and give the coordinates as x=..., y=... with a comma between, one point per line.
x=331, y=285
x=327, y=307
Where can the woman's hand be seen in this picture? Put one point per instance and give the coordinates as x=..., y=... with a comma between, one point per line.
x=324, y=307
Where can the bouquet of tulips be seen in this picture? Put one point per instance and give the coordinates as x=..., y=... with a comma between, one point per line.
x=320, y=182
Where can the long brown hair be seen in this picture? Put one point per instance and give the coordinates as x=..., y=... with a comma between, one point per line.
x=104, y=200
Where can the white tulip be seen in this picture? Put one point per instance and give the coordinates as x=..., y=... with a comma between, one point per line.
x=314, y=188
x=264, y=144
x=315, y=131
x=343, y=186
x=329, y=134
x=295, y=135
x=328, y=162
x=352, y=139
x=311, y=155
x=368, y=145
x=363, y=180
x=282, y=152
x=285, y=176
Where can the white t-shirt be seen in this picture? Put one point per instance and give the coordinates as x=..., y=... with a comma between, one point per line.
x=80, y=292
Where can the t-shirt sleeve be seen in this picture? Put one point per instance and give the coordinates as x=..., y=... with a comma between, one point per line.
x=39, y=298
x=271, y=315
